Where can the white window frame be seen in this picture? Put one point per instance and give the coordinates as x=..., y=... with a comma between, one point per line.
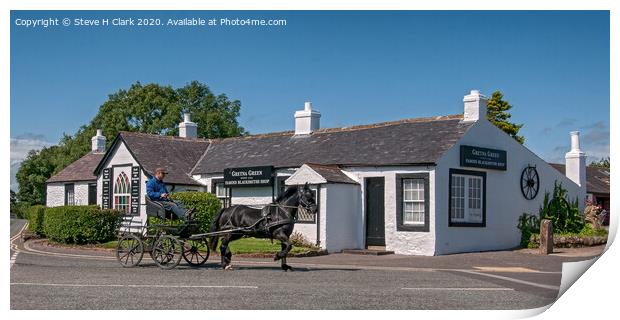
x=417, y=192
x=467, y=200
x=126, y=207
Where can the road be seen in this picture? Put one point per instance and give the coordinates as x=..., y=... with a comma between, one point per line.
x=78, y=279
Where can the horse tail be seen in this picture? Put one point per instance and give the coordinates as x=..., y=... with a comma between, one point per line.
x=215, y=225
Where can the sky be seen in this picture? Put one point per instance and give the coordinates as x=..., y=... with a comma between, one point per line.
x=357, y=67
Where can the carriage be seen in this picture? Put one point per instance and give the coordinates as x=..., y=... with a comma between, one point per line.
x=165, y=243
x=168, y=243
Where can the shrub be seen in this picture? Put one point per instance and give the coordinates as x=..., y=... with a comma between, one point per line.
x=564, y=214
x=298, y=240
x=80, y=224
x=207, y=206
x=528, y=224
x=20, y=209
x=35, y=215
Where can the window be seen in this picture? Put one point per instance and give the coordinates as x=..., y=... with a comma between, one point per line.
x=304, y=216
x=69, y=194
x=92, y=193
x=412, y=202
x=221, y=192
x=122, y=195
x=467, y=198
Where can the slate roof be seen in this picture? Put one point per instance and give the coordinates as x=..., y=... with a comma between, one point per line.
x=178, y=155
x=331, y=173
x=597, y=179
x=80, y=170
x=405, y=142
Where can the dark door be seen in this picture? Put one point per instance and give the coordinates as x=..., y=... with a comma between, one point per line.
x=375, y=213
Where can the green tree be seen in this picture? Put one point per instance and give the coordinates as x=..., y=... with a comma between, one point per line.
x=150, y=108
x=497, y=113
x=603, y=163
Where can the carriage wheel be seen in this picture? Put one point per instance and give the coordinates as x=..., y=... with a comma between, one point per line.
x=167, y=252
x=192, y=253
x=129, y=250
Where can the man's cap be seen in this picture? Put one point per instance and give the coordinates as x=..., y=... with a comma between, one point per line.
x=160, y=169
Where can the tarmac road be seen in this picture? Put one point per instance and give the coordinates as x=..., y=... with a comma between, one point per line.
x=44, y=278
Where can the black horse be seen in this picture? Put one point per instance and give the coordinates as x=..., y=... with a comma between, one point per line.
x=275, y=221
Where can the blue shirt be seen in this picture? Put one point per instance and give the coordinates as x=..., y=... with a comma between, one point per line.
x=154, y=189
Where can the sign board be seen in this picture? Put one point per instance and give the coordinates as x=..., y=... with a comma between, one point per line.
x=248, y=176
x=106, y=189
x=135, y=190
x=483, y=158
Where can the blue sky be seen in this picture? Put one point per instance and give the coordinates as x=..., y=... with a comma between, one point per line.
x=356, y=67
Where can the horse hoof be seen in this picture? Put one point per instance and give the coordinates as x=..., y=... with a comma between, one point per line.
x=228, y=267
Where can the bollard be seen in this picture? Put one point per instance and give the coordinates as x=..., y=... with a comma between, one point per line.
x=546, y=237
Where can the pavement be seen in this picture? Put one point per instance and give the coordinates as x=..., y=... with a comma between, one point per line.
x=44, y=277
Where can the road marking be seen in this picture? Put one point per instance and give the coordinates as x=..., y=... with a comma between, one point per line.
x=533, y=284
x=14, y=244
x=128, y=285
x=460, y=289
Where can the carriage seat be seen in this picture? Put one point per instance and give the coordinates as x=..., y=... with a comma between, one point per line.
x=154, y=208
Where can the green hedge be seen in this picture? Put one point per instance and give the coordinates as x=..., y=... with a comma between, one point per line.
x=20, y=209
x=80, y=224
x=35, y=215
x=207, y=205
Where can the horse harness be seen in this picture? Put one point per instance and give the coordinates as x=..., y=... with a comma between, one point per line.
x=267, y=217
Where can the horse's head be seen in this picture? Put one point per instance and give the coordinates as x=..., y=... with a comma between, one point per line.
x=306, y=199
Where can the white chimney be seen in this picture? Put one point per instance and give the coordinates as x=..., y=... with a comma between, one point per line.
x=576, y=165
x=475, y=106
x=188, y=129
x=98, y=142
x=307, y=120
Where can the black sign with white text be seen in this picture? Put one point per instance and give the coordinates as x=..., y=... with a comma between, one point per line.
x=483, y=158
x=248, y=177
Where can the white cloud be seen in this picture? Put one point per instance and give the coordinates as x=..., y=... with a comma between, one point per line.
x=20, y=146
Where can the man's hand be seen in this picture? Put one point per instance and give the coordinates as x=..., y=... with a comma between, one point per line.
x=164, y=195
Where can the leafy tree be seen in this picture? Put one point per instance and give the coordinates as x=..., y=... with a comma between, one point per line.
x=497, y=113
x=603, y=163
x=150, y=108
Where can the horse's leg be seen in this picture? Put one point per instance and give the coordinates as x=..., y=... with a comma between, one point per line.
x=286, y=248
x=225, y=252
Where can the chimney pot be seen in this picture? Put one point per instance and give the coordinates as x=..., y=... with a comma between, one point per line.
x=98, y=142
x=188, y=129
x=576, y=166
x=307, y=120
x=475, y=106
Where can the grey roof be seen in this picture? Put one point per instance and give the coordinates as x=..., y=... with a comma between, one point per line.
x=331, y=173
x=597, y=179
x=178, y=155
x=79, y=170
x=404, y=142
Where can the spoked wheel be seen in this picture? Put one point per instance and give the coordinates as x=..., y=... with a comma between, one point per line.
x=192, y=252
x=167, y=252
x=129, y=250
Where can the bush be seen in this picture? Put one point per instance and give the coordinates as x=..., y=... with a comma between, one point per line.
x=80, y=224
x=35, y=215
x=20, y=209
x=529, y=224
x=564, y=214
x=207, y=206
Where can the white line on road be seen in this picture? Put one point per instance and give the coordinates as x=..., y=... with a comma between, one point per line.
x=14, y=245
x=460, y=289
x=126, y=285
x=533, y=284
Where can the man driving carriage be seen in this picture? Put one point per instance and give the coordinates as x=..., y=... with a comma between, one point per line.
x=156, y=191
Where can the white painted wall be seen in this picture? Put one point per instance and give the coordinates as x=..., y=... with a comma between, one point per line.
x=401, y=242
x=504, y=201
x=56, y=193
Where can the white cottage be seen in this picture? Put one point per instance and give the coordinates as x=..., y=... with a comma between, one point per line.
x=425, y=186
